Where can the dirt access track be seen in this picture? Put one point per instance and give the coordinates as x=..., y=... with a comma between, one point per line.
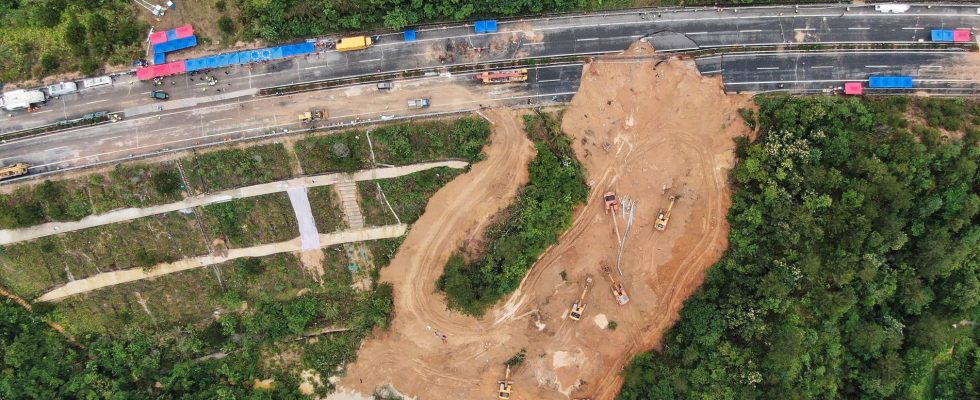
x=638, y=128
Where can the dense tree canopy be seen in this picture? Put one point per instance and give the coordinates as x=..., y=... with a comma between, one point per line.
x=855, y=247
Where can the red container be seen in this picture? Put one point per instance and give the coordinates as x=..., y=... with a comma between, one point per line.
x=855, y=88
x=961, y=35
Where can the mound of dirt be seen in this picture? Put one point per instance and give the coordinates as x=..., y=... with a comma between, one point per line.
x=643, y=129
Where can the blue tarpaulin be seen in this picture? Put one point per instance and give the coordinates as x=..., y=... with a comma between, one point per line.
x=942, y=35
x=410, y=35
x=171, y=35
x=176, y=44
x=159, y=58
x=485, y=26
x=890, y=82
x=248, y=56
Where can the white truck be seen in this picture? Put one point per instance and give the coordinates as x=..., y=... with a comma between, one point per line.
x=61, y=88
x=21, y=99
x=418, y=103
x=892, y=8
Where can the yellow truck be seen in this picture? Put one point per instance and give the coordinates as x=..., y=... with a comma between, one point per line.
x=11, y=171
x=354, y=43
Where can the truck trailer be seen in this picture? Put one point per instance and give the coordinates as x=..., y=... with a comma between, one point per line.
x=21, y=99
x=418, y=103
x=354, y=43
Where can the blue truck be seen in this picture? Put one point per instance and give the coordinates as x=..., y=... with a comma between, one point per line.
x=485, y=26
x=890, y=82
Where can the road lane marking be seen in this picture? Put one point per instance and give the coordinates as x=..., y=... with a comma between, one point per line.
x=533, y=43
x=805, y=29
x=767, y=68
x=854, y=28
x=42, y=112
x=877, y=66
x=93, y=102
x=822, y=66
x=586, y=39
x=932, y=66
x=750, y=31
x=549, y=80
x=912, y=29
x=696, y=33
x=219, y=120
x=318, y=66
x=371, y=60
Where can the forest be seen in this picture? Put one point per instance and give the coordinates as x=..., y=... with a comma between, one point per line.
x=852, y=266
x=43, y=37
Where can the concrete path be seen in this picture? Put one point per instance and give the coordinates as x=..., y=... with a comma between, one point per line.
x=347, y=191
x=8, y=236
x=304, y=216
x=113, y=278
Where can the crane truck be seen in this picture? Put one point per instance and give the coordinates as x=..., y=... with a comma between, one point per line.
x=510, y=76
x=578, y=307
x=664, y=216
x=505, y=386
x=618, y=290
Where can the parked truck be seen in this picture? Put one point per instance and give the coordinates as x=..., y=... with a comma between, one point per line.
x=354, y=43
x=950, y=35
x=21, y=99
x=418, y=103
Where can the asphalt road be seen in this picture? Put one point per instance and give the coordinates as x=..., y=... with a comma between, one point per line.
x=932, y=71
x=678, y=29
x=249, y=118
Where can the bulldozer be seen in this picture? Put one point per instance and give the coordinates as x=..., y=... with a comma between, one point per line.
x=505, y=386
x=578, y=307
x=11, y=171
x=618, y=290
x=311, y=116
x=664, y=216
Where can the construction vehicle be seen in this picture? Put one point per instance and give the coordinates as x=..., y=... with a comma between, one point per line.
x=11, y=171
x=664, y=216
x=618, y=290
x=505, y=386
x=418, y=103
x=611, y=203
x=310, y=116
x=354, y=43
x=511, y=76
x=578, y=307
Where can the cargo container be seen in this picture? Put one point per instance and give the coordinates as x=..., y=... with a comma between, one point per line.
x=942, y=35
x=892, y=8
x=853, y=88
x=485, y=26
x=59, y=89
x=21, y=99
x=354, y=43
x=894, y=82
x=96, y=82
x=961, y=35
x=409, y=35
x=176, y=44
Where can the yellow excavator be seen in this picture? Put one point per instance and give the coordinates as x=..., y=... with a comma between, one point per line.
x=578, y=307
x=505, y=386
x=664, y=216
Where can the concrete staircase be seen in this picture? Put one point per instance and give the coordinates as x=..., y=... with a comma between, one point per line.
x=347, y=192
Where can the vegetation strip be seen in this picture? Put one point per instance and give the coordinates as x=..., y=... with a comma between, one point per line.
x=9, y=236
x=541, y=212
x=854, y=257
x=117, y=277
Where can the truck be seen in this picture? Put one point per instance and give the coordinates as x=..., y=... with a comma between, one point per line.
x=418, y=103
x=892, y=8
x=311, y=116
x=511, y=76
x=21, y=99
x=385, y=85
x=354, y=43
x=61, y=88
x=890, y=82
x=96, y=82
x=11, y=171
x=485, y=26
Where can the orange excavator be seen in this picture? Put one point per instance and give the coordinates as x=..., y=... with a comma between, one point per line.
x=618, y=290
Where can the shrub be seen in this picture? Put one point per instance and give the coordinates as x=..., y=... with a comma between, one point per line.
x=167, y=182
x=225, y=24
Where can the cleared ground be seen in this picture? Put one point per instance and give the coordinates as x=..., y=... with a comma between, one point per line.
x=629, y=142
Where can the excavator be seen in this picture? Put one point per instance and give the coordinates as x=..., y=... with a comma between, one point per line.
x=11, y=171
x=663, y=217
x=618, y=290
x=505, y=386
x=578, y=307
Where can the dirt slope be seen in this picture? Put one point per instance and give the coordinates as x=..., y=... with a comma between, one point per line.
x=637, y=128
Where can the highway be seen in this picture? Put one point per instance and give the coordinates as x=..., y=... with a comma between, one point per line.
x=198, y=114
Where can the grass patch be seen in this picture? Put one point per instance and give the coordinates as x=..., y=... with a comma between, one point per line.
x=34, y=266
x=399, y=144
x=383, y=250
x=539, y=214
x=136, y=185
x=231, y=168
x=408, y=195
x=253, y=221
x=326, y=209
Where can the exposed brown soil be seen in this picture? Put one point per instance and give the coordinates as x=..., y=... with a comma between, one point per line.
x=638, y=129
